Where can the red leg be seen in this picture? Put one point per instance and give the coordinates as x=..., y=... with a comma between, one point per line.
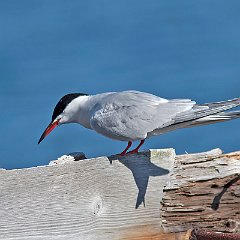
x=125, y=150
x=137, y=148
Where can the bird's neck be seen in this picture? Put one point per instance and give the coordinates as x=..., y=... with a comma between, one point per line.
x=79, y=111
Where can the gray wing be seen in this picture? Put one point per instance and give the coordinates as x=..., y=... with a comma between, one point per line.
x=199, y=111
x=197, y=116
x=131, y=115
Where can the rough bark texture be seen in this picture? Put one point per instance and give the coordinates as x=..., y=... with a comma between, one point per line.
x=203, y=191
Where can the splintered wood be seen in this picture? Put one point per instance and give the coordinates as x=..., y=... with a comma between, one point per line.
x=203, y=191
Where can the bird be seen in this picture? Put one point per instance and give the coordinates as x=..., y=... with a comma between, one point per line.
x=136, y=116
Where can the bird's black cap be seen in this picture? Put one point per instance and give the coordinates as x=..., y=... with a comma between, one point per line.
x=63, y=102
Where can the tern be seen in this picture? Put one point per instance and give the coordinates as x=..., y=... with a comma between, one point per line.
x=136, y=116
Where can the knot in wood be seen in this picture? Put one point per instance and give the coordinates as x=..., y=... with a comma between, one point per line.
x=97, y=206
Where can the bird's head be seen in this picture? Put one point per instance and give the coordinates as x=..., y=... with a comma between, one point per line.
x=62, y=113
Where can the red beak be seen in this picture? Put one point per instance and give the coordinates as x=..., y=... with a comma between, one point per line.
x=50, y=127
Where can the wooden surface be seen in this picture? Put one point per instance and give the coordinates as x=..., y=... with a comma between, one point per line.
x=203, y=191
x=101, y=198
x=136, y=197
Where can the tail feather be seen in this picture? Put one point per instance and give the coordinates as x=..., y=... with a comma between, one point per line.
x=215, y=118
x=204, y=110
x=204, y=114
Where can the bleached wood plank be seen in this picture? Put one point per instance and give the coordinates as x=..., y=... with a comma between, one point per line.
x=87, y=199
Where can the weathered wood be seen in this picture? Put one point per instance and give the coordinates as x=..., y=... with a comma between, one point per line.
x=203, y=191
x=86, y=199
x=104, y=198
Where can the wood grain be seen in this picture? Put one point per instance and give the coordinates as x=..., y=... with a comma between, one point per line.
x=116, y=198
x=101, y=198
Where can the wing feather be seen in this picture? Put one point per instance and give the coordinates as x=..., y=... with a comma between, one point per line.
x=131, y=115
x=200, y=111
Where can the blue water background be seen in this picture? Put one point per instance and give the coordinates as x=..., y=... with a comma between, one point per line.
x=174, y=49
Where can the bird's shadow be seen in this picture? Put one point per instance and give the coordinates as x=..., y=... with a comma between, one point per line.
x=142, y=168
x=217, y=199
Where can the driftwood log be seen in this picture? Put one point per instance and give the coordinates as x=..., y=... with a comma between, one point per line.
x=151, y=195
